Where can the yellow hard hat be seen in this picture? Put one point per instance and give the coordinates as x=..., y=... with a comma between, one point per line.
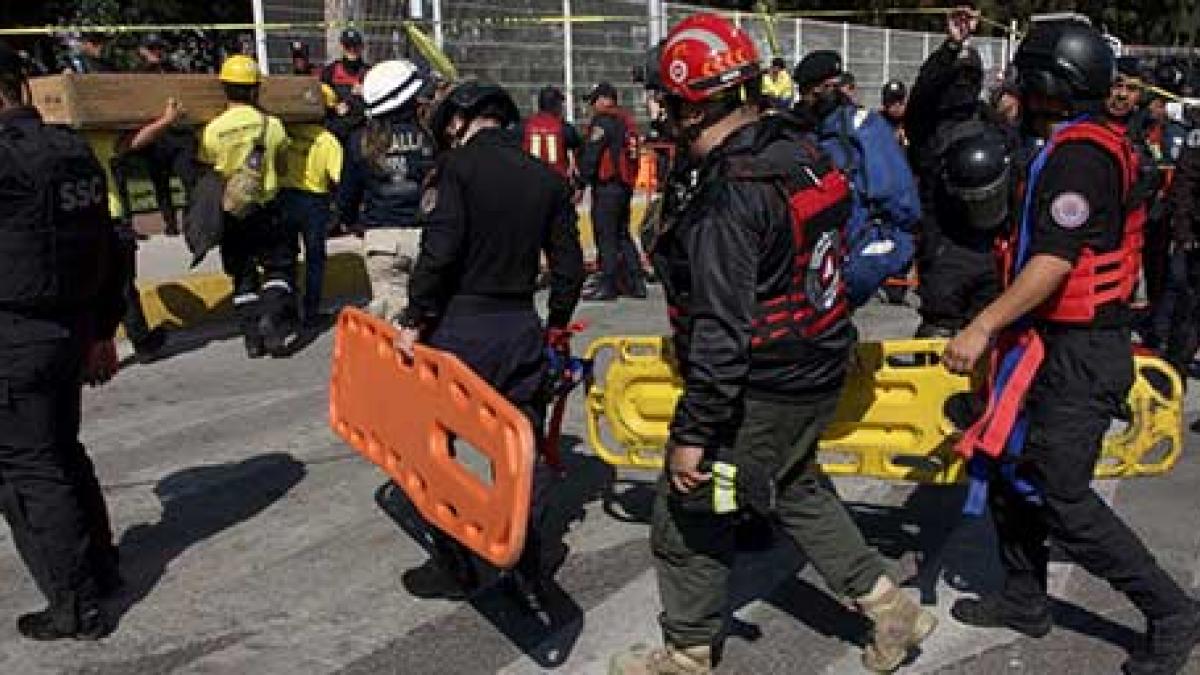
x=239, y=69
x=329, y=95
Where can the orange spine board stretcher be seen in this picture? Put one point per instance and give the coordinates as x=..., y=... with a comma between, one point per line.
x=890, y=423
x=406, y=417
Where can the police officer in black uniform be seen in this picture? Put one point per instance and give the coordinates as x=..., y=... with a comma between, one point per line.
x=490, y=214
x=1079, y=210
x=60, y=302
x=605, y=146
x=954, y=259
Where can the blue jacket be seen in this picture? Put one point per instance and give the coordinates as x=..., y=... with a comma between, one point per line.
x=887, y=205
x=387, y=194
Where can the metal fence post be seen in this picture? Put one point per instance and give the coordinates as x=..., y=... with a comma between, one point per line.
x=925, y=48
x=568, y=62
x=799, y=34
x=846, y=43
x=887, y=54
x=260, y=39
x=439, y=37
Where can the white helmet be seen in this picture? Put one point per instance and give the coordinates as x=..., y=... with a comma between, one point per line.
x=390, y=85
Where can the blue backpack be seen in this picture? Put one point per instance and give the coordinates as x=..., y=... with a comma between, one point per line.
x=880, y=241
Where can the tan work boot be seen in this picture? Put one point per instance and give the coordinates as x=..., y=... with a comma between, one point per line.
x=899, y=625
x=667, y=660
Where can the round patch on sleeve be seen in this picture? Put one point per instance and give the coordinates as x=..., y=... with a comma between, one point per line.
x=1070, y=210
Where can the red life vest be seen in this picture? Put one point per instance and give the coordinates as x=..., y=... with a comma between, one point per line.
x=1097, y=279
x=544, y=139
x=620, y=160
x=340, y=76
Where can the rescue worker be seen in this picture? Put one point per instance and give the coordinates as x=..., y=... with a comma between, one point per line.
x=173, y=152
x=257, y=250
x=1063, y=319
x=778, y=90
x=60, y=301
x=886, y=204
x=91, y=57
x=387, y=162
x=761, y=231
x=1166, y=266
x=893, y=100
x=313, y=168
x=472, y=290
x=301, y=63
x=153, y=52
x=345, y=76
x=114, y=151
x=550, y=138
x=609, y=166
x=954, y=262
x=1185, y=212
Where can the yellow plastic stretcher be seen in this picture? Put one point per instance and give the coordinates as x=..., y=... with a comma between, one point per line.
x=891, y=423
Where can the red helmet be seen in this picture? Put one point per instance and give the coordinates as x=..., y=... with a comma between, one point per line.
x=704, y=55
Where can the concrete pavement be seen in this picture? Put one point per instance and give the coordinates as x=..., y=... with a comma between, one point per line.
x=253, y=544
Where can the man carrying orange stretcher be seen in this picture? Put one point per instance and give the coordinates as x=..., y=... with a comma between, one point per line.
x=490, y=212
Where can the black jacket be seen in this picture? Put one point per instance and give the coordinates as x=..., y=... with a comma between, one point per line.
x=60, y=257
x=386, y=193
x=1184, y=196
x=727, y=252
x=944, y=105
x=493, y=210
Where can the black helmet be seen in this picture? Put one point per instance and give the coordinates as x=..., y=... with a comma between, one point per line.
x=1065, y=60
x=893, y=91
x=976, y=171
x=550, y=99
x=469, y=99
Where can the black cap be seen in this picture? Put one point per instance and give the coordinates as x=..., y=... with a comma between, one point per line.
x=299, y=49
x=550, y=99
x=351, y=37
x=778, y=62
x=153, y=41
x=893, y=91
x=602, y=89
x=817, y=67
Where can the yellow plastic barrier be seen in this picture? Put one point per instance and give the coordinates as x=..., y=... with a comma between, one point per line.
x=890, y=423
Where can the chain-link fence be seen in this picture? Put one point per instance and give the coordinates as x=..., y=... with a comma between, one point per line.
x=574, y=44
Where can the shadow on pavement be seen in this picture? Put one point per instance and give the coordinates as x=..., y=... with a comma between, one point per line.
x=546, y=635
x=198, y=503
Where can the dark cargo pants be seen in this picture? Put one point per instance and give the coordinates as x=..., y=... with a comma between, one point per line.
x=694, y=551
x=49, y=493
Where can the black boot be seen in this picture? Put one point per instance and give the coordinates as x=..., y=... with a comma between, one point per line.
x=60, y=623
x=254, y=347
x=1169, y=645
x=149, y=345
x=994, y=611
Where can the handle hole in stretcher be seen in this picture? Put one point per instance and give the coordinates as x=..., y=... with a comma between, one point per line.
x=427, y=371
x=925, y=464
x=1158, y=454
x=474, y=462
x=639, y=351
x=459, y=395
x=914, y=360
x=1158, y=380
